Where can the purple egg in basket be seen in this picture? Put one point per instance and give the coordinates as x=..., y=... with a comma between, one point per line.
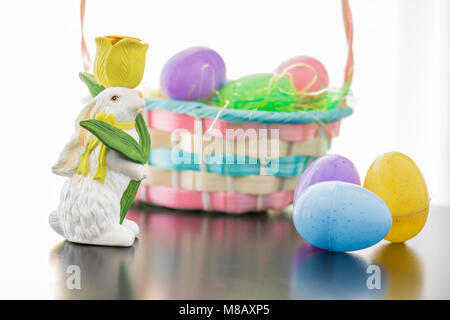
x=331, y=167
x=192, y=74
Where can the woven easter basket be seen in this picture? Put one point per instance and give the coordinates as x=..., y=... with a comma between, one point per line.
x=196, y=164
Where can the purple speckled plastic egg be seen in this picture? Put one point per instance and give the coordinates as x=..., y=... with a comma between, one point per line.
x=331, y=167
x=194, y=73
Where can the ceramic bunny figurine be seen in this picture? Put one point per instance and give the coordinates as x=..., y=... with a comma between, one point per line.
x=89, y=209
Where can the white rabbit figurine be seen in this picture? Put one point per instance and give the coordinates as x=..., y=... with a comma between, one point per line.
x=89, y=209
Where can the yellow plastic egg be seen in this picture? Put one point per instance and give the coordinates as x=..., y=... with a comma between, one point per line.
x=396, y=179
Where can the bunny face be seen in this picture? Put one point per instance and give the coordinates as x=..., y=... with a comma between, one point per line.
x=124, y=103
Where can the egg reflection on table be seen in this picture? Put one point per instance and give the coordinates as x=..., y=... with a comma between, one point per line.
x=402, y=269
x=398, y=181
x=319, y=274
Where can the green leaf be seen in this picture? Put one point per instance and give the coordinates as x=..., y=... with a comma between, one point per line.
x=94, y=87
x=116, y=139
x=127, y=198
x=130, y=193
x=144, y=136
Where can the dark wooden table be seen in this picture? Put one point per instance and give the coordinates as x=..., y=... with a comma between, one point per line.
x=199, y=255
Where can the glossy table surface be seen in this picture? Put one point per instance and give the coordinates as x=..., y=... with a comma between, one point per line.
x=197, y=255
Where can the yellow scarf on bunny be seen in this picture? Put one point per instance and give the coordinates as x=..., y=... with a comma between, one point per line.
x=100, y=173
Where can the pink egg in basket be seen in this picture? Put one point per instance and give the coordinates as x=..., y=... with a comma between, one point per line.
x=307, y=73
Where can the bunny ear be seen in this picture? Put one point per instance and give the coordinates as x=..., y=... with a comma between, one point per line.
x=70, y=156
x=87, y=113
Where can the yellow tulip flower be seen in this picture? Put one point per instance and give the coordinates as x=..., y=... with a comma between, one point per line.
x=119, y=61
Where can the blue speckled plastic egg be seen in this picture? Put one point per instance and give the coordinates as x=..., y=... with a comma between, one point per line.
x=340, y=216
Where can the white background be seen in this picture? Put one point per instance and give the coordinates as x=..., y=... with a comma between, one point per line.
x=401, y=83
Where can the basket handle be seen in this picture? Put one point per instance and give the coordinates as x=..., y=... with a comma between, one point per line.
x=85, y=57
x=348, y=26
